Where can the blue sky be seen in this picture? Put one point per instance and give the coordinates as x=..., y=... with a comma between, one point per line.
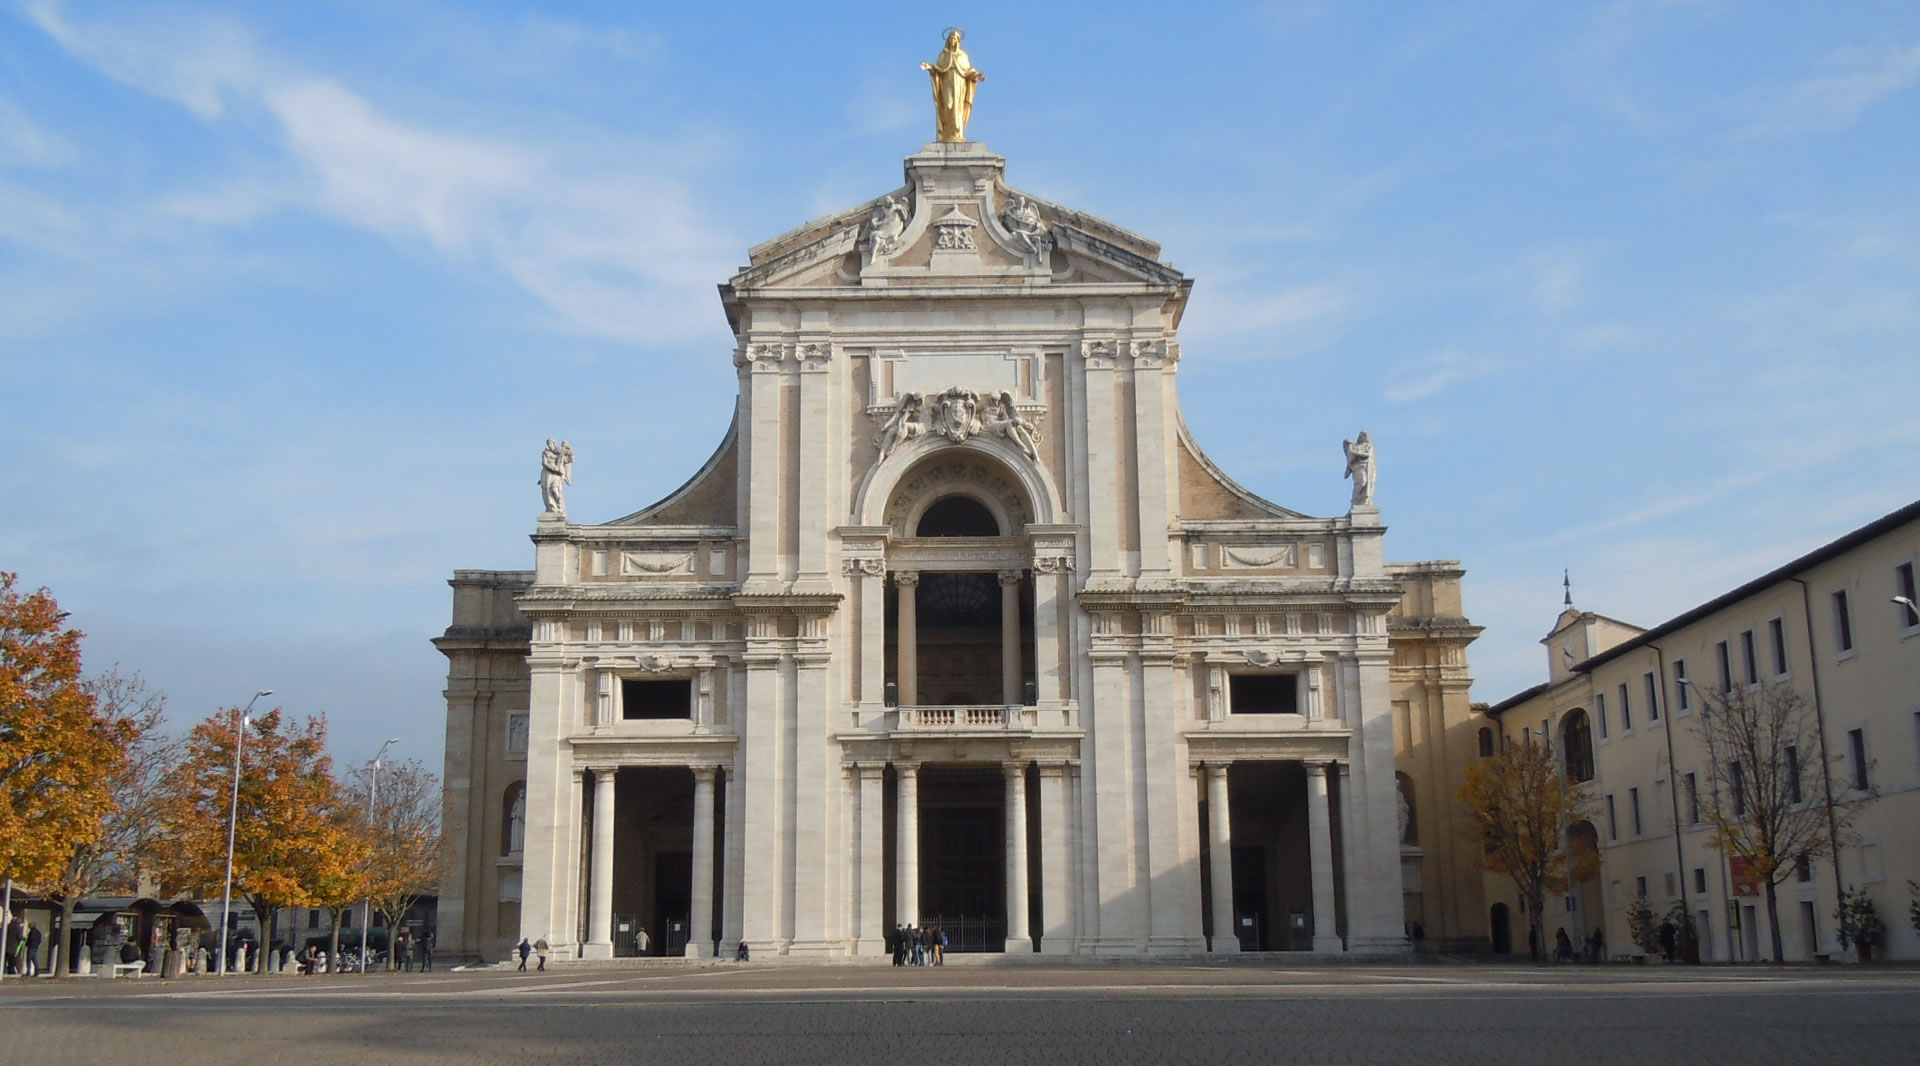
x=290, y=295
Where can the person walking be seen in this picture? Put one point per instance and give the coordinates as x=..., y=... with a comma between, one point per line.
x=426, y=952
x=1669, y=936
x=403, y=951
x=33, y=951
x=939, y=946
x=525, y=949
x=540, y=948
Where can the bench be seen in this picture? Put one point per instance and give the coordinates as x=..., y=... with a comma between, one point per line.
x=128, y=969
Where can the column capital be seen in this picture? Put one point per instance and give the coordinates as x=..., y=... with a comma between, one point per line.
x=1012, y=577
x=703, y=774
x=1218, y=769
x=906, y=769
x=1014, y=769
x=906, y=578
x=1318, y=769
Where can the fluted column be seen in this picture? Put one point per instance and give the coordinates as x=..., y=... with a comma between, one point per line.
x=1019, y=931
x=1320, y=838
x=600, y=898
x=1226, y=935
x=906, y=884
x=906, y=643
x=700, y=936
x=1010, y=642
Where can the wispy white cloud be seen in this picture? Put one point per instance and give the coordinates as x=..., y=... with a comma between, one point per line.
x=1421, y=378
x=1860, y=79
x=25, y=143
x=609, y=240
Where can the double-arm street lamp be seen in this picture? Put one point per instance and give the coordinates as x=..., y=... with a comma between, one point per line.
x=233, y=817
x=366, y=907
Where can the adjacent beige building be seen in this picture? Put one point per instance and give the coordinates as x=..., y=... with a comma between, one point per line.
x=957, y=626
x=1828, y=626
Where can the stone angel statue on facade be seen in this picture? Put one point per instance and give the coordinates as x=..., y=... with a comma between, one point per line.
x=1022, y=220
x=885, y=224
x=1016, y=428
x=1360, y=467
x=908, y=422
x=954, y=80
x=556, y=472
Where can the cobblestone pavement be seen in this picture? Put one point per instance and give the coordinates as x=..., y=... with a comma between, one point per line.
x=1432, y=1015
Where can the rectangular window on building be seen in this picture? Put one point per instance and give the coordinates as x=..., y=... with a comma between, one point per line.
x=1903, y=580
x=1613, y=824
x=1793, y=774
x=1802, y=870
x=1842, y=622
x=1700, y=879
x=1653, y=697
x=346, y=919
x=1737, y=782
x=313, y=919
x=1693, y=800
x=1640, y=887
x=670, y=698
x=1748, y=658
x=1726, y=666
x=1633, y=803
x=1600, y=713
x=1626, y=710
x=1682, y=700
x=1857, y=744
x=1264, y=693
x=1777, y=635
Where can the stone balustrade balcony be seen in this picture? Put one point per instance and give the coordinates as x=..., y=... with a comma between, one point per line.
x=965, y=717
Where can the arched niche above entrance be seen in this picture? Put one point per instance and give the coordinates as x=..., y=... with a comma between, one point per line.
x=946, y=482
x=918, y=474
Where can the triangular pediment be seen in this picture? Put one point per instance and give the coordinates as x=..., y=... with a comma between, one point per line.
x=954, y=223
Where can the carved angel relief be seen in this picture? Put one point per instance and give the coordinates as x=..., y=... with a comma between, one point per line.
x=958, y=414
x=1023, y=224
x=885, y=225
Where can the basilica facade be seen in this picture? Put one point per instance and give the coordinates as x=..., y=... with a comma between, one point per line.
x=957, y=627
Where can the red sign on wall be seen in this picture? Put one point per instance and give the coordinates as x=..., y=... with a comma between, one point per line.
x=1745, y=881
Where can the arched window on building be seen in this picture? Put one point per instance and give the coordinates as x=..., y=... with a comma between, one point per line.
x=513, y=828
x=1576, y=745
x=957, y=516
x=1486, y=742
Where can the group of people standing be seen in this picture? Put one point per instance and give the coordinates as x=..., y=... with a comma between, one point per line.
x=926, y=946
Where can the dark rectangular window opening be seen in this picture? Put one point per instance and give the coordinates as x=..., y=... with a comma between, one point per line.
x=1700, y=879
x=1857, y=742
x=1680, y=698
x=1738, y=776
x=1747, y=655
x=1264, y=693
x=1626, y=709
x=1726, y=666
x=1842, y=621
x=1903, y=580
x=670, y=698
x=1777, y=633
x=1653, y=698
x=1793, y=774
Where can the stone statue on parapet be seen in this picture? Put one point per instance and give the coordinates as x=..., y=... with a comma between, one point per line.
x=1360, y=467
x=556, y=472
x=954, y=80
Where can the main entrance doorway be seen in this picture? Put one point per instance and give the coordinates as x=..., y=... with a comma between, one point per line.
x=963, y=866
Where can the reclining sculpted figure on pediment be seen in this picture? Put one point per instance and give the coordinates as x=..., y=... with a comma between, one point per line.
x=885, y=225
x=908, y=423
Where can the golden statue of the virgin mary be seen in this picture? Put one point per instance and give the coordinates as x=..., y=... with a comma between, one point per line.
x=953, y=82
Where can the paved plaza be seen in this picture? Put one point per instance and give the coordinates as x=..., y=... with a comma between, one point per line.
x=758, y=1013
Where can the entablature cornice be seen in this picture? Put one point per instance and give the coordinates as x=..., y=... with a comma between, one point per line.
x=608, y=749
x=1234, y=745
x=648, y=534
x=786, y=603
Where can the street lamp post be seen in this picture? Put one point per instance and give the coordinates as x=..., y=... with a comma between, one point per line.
x=1913, y=609
x=366, y=906
x=233, y=817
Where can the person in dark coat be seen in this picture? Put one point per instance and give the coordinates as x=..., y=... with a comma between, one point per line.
x=1668, y=935
x=33, y=950
x=893, y=944
x=524, y=949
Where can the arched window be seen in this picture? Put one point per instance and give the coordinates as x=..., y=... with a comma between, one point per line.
x=1486, y=742
x=1576, y=744
x=513, y=828
x=957, y=516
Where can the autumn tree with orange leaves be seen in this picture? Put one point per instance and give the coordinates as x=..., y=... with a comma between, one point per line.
x=403, y=860
x=293, y=838
x=57, y=754
x=1519, y=803
x=113, y=860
